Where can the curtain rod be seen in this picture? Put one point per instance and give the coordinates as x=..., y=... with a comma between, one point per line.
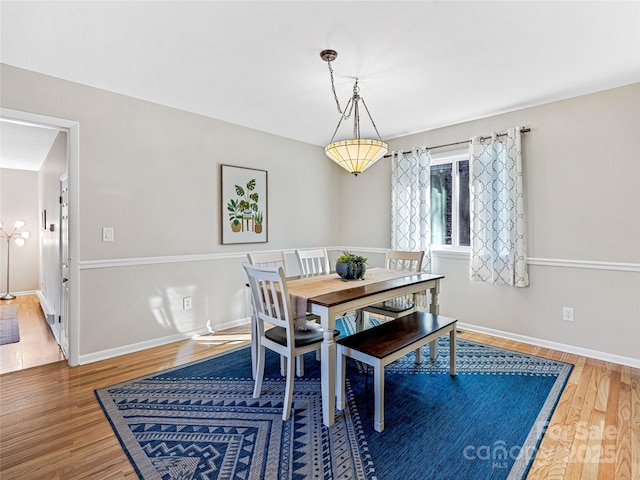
x=482, y=139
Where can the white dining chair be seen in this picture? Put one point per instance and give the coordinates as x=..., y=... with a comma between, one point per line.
x=268, y=259
x=399, y=306
x=273, y=306
x=314, y=260
x=273, y=259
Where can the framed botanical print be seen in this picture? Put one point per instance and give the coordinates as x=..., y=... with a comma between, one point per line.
x=243, y=205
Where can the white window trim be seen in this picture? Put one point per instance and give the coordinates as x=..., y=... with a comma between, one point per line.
x=443, y=158
x=448, y=251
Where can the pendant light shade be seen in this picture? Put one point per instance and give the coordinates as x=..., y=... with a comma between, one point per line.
x=357, y=154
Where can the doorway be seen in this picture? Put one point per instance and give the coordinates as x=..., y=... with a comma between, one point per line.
x=59, y=246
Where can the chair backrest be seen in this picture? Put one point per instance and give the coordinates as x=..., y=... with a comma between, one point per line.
x=268, y=259
x=270, y=298
x=314, y=260
x=401, y=260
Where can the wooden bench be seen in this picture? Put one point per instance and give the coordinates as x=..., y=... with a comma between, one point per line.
x=385, y=343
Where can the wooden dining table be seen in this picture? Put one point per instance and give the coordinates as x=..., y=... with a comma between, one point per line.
x=329, y=297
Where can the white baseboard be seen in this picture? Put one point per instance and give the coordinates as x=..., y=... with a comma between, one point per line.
x=49, y=313
x=585, y=352
x=25, y=292
x=233, y=323
x=156, y=342
x=136, y=347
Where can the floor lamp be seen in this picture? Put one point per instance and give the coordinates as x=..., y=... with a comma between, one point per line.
x=20, y=238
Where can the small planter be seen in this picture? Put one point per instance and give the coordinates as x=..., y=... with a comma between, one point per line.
x=235, y=215
x=350, y=271
x=258, y=219
x=351, y=267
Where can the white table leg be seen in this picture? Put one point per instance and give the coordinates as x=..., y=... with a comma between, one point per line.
x=328, y=370
x=341, y=366
x=434, y=309
x=362, y=319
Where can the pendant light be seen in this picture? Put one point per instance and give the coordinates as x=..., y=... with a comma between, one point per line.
x=357, y=154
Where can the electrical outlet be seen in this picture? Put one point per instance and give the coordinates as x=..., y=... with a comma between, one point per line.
x=186, y=303
x=567, y=314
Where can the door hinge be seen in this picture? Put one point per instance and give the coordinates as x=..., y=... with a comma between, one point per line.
x=59, y=319
x=60, y=199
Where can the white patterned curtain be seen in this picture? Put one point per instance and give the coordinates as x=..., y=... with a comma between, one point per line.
x=410, y=203
x=498, y=247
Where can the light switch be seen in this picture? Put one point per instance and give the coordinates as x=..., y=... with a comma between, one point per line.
x=107, y=234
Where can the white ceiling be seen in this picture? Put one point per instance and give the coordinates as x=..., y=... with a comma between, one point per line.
x=24, y=147
x=421, y=64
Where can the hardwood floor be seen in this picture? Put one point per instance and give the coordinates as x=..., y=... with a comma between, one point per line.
x=37, y=344
x=51, y=426
x=594, y=432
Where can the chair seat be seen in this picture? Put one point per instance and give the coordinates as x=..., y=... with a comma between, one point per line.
x=395, y=306
x=312, y=334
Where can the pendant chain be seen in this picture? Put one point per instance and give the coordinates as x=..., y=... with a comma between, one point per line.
x=344, y=114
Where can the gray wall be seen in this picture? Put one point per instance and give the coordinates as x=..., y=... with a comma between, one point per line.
x=19, y=201
x=152, y=173
x=582, y=171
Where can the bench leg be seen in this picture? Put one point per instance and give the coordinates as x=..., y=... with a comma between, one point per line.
x=378, y=384
x=341, y=366
x=433, y=349
x=452, y=351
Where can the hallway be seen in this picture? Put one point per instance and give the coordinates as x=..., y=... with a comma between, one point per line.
x=37, y=345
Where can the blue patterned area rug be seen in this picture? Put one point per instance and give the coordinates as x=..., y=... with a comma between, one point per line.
x=200, y=421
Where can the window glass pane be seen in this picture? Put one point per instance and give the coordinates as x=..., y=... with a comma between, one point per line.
x=464, y=221
x=441, y=204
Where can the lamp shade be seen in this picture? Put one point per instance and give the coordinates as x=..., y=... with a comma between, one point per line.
x=357, y=154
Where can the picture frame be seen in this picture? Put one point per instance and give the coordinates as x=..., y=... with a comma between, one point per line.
x=243, y=205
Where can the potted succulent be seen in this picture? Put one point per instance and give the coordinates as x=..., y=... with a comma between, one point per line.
x=258, y=222
x=351, y=266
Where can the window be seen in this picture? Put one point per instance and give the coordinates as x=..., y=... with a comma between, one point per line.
x=450, y=221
